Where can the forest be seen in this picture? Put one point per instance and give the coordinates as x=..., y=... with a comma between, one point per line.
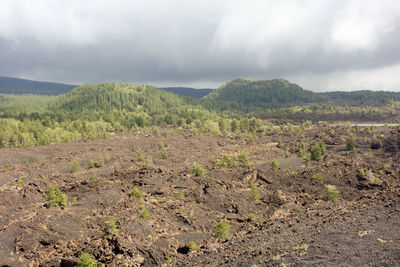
x=95, y=110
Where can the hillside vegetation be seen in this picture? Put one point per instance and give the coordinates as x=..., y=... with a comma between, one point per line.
x=94, y=110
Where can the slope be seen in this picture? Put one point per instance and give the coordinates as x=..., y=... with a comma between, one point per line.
x=9, y=85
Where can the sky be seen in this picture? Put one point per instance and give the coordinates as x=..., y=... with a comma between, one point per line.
x=322, y=45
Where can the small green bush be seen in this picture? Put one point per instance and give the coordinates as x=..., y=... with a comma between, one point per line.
x=161, y=145
x=75, y=166
x=318, y=177
x=362, y=173
x=197, y=170
x=85, y=260
x=251, y=217
x=274, y=164
x=136, y=192
x=181, y=196
x=331, y=193
x=287, y=153
x=91, y=164
x=223, y=229
x=164, y=155
x=55, y=198
x=168, y=260
x=351, y=142
x=144, y=213
x=244, y=160
x=226, y=161
x=315, y=152
x=193, y=246
x=100, y=162
x=110, y=228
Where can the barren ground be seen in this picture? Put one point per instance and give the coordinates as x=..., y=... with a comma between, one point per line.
x=293, y=223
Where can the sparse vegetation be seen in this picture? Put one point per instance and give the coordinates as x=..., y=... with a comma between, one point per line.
x=55, y=198
x=274, y=164
x=197, y=170
x=331, y=193
x=91, y=164
x=110, y=228
x=85, y=260
x=193, y=246
x=351, y=142
x=164, y=155
x=136, y=192
x=144, y=213
x=223, y=229
x=75, y=166
x=243, y=159
x=318, y=177
x=226, y=161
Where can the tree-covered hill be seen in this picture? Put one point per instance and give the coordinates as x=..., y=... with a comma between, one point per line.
x=248, y=94
x=17, y=86
x=117, y=96
x=186, y=91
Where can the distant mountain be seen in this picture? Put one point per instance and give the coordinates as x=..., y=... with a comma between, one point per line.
x=186, y=91
x=18, y=86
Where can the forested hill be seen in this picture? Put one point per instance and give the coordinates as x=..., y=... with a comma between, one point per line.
x=17, y=86
x=246, y=94
x=117, y=96
x=186, y=91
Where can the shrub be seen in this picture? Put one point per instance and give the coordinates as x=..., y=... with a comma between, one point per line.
x=181, y=196
x=260, y=220
x=85, y=260
x=161, y=145
x=144, y=213
x=91, y=164
x=362, y=173
x=74, y=166
x=316, y=152
x=55, y=198
x=100, y=162
x=244, y=160
x=110, y=228
x=140, y=155
x=193, y=246
x=197, y=170
x=168, y=260
x=20, y=182
x=351, y=142
x=322, y=147
x=136, y=192
x=287, y=153
x=164, y=133
x=94, y=179
x=318, y=177
x=164, y=155
x=223, y=229
x=226, y=161
x=331, y=193
x=251, y=217
x=274, y=164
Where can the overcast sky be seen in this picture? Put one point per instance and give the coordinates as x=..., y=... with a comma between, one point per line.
x=319, y=44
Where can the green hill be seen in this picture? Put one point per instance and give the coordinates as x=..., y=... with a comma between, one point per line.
x=247, y=94
x=118, y=96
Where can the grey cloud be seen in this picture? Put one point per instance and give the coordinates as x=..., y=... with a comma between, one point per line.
x=201, y=42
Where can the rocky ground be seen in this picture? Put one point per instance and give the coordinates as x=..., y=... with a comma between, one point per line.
x=278, y=217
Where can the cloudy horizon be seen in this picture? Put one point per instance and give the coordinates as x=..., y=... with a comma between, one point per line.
x=321, y=45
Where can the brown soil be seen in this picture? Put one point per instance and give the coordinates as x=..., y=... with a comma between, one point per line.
x=300, y=227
